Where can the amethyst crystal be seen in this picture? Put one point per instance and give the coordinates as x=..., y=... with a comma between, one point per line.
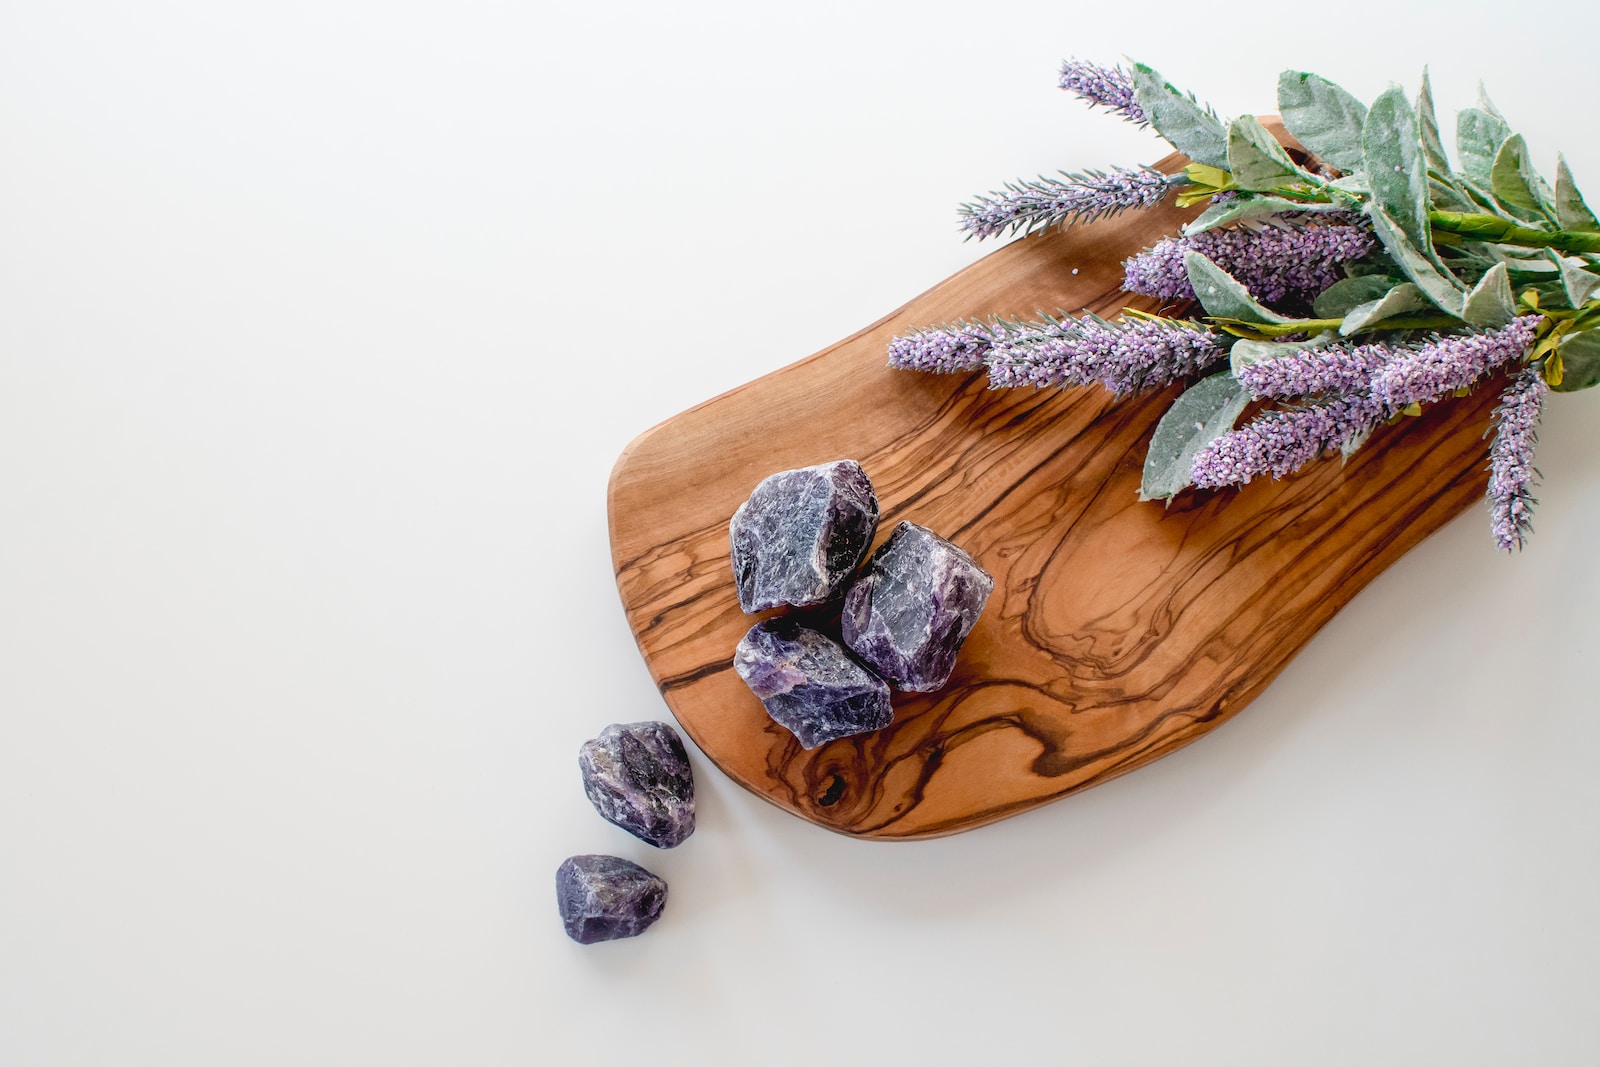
x=801, y=534
x=1300, y=258
x=908, y=613
x=603, y=898
x=637, y=777
x=809, y=685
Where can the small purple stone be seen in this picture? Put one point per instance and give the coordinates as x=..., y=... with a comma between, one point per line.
x=913, y=605
x=603, y=898
x=809, y=685
x=801, y=534
x=637, y=777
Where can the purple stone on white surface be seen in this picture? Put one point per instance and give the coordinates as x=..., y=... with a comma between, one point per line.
x=809, y=685
x=913, y=605
x=637, y=777
x=799, y=537
x=603, y=898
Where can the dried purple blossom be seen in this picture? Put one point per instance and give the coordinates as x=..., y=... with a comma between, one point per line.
x=1107, y=87
x=952, y=349
x=1124, y=357
x=1024, y=207
x=1511, y=470
x=1450, y=362
x=1300, y=257
x=1281, y=442
x=1336, y=368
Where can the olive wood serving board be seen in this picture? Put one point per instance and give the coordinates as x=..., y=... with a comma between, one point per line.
x=1118, y=631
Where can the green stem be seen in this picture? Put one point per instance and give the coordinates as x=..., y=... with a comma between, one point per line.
x=1496, y=230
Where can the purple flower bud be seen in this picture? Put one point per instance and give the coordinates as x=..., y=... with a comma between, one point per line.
x=1124, y=357
x=1281, y=442
x=1024, y=207
x=1336, y=368
x=1453, y=361
x=1107, y=87
x=1511, y=470
x=952, y=349
x=1300, y=258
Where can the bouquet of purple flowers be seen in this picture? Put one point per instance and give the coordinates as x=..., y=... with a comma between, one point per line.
x=1339, y=283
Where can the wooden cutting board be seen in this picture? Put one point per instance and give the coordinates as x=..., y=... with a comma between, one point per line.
x=1119, y=630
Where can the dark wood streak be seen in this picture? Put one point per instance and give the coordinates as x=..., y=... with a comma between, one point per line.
x=1119, y=630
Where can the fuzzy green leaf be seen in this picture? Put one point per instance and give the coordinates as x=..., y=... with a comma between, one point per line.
x=1248, y=206
x=1490, y=303
x=1179, y=118
x=1571, y=212
x=1403, y=299
x=1255, y=157
x=1444, y=189
x=1323, y=117
x=1515, y=184
x=1336, y=301
x=1479, y=136
x=1391, y=145
x=1221, y=295
x=1580, y=362
x=1577, y=284
x=1441, y=287
x=1206, y=410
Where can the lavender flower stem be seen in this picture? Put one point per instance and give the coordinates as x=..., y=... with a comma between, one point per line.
x=1107, y=87
x=1300, y=258
x=1124, y=357
x=1511, y=472
x=1024, y=207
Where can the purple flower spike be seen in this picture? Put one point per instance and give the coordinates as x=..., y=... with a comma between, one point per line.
x=1511, y=470
x=1451, y=362
x=1338, y=368
x=1299, y=258
x=952, y=349
x=1107, y=87
x=1124, y=357
x=1024, y=207
x=1281, y=442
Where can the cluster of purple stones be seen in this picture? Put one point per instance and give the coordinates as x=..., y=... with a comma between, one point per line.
x=796, y=543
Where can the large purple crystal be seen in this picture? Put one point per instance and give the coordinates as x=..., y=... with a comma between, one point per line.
x=913, y=605
x=637, y=776
x=801, y=534
x=603, y=897
x=809, y=685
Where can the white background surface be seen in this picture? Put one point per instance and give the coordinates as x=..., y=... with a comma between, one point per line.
x=321, y=325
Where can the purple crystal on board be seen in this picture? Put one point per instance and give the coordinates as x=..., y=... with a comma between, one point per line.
x=801, y=534
x=913, y=605
x=603, y=898
x=809, y=685
x=637, y=777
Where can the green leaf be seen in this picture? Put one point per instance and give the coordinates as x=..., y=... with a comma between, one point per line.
x=1479, y=136
x=1571, y=212
x=1577, y=284
x=1515, y=183
x=1336, y=301
x=1206, y=410
x=1179, y=118
x=1246, y=352
x=1580, y=363
x=1441, y=287
x=1391, y=146
x=1323, y=117
x=1490, y=303
x=1443, y=188
x=1221, y=295
x=1250, y=206
x=1401, y=300
x=1257, y=160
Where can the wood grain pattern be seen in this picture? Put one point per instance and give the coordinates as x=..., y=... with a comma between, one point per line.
x=1118, y=631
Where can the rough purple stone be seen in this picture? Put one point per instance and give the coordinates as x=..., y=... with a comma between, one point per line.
x=637, y=777
x=810, y=686
x=603, y=898
x=801, y=534
x=913, y=605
